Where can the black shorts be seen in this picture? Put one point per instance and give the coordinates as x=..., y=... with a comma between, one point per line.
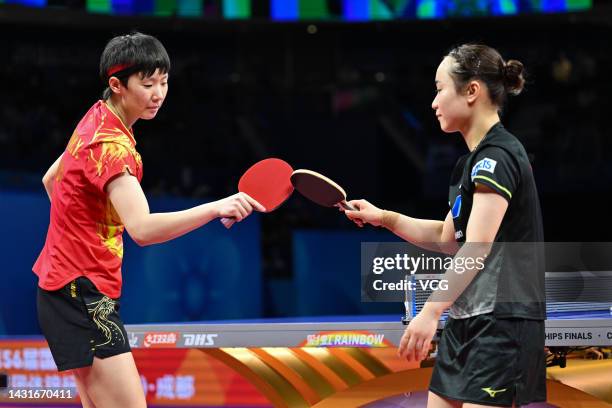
x=491, y=361
x=79, y=323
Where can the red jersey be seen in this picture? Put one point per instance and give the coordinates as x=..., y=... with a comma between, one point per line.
x=85, y=232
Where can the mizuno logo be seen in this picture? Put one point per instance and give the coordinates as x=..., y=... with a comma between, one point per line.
x=492, y=393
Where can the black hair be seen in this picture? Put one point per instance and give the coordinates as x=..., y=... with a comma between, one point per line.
x=133, y=53
x=481, y=62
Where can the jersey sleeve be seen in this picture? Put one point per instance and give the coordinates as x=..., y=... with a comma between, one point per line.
x=108, y=160
x=495, y=168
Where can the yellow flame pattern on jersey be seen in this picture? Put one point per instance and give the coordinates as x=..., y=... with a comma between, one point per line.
x=60, y=171
x=110, y=230
x=115, y=148
x=110, y=154
x=116, y=145
x=74, y=145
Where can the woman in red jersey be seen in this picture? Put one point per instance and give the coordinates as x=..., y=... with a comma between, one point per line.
x=95, y=193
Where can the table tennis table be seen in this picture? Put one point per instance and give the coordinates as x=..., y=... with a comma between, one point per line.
x=571, y=329
x=327, y=360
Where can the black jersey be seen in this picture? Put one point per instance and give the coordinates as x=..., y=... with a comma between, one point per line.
x=512, y=281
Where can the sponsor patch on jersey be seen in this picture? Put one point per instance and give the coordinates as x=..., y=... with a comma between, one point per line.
x=456, y=210
x=485, y=164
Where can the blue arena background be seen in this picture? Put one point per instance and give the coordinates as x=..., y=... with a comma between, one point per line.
x=210, y=273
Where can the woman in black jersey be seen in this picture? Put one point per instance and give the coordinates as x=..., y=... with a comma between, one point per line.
x=491, y=352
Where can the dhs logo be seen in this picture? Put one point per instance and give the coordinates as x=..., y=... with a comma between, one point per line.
x=485, y=164
x=199, y=339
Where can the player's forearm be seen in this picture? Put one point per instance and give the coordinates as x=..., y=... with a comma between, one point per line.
x=459, y=276
x=487, y=213
x=160, y=227
x=415, y=230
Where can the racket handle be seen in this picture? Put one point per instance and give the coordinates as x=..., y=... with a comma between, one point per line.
x=228, y=222
x=346, y=206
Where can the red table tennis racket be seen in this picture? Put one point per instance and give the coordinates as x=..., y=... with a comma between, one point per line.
x=268, y=182
x=319, y=189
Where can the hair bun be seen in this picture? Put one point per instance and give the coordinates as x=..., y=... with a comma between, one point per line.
x=513, y=77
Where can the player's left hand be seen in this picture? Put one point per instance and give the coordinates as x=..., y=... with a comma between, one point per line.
x=416, y=341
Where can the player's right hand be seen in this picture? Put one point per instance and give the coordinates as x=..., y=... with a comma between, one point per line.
x=238, y=207
x=366, y=213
